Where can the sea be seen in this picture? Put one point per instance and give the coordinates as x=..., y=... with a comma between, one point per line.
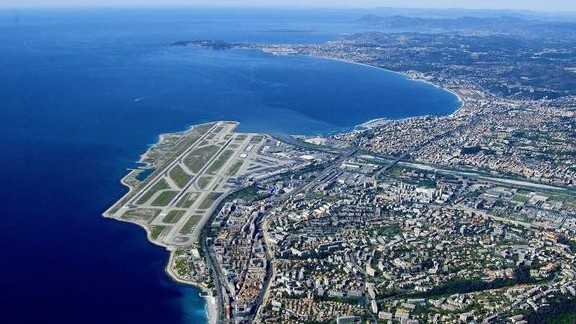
x=84, y=92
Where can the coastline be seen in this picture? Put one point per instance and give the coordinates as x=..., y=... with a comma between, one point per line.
x=461, y=100
x=211, y=306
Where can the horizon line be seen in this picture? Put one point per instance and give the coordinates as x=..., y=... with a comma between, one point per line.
x=269, y=7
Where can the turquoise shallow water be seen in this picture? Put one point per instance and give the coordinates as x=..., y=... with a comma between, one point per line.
x=82, y=95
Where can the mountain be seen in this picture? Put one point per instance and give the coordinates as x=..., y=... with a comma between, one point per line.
x=516, y=25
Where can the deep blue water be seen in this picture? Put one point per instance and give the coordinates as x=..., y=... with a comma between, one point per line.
x=82, y=94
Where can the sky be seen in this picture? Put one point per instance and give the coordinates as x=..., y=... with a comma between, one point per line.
x=538, y=5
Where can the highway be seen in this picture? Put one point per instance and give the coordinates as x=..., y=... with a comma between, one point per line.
x=320, y=178
x=219, y=280
x=215, y=271
x=279, y=200
x=327, y=171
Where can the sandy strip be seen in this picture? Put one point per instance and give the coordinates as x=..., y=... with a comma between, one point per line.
x=211, y=309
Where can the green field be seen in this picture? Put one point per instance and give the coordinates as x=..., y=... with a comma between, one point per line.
x=256, y=139
x=198, y=158
x=209, y=200
x=179, y=176
x=181, y=266
x=156, y=230
x=248, y=194
x=234, y=168
x=195, y=133
x=215, y=132
x=201, y=129
x=397, y=171
x=141, y=214
x=164, y=198
x=188, y=200
x=204, y=181
x=190, y=224
x=160, y=185
x=174, y=216
x=520, y=198
x=220, y=161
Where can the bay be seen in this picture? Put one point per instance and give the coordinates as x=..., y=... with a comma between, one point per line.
x=84, y=92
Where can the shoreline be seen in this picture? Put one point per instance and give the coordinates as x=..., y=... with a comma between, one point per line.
x=461, y=100
x=211, y=307
x=377, y=122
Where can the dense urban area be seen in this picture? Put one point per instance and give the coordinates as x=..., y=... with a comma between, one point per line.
x=465, y=218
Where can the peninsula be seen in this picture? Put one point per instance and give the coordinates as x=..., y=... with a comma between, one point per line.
x=192, y=174
x=469, y=217
x=297, y=229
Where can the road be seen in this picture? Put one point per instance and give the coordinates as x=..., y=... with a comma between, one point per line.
x=332, y=167
x=219, y=280
x=279, y=200
x=391, y=165
x=215, y=271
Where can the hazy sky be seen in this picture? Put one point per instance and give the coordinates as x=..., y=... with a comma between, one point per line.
x=547, y=5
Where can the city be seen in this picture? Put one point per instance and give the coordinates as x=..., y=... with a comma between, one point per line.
x=288, y=161
x=455, y=219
